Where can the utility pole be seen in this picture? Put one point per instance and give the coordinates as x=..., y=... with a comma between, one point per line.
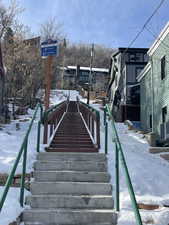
x=63, y=70
x=90, y=74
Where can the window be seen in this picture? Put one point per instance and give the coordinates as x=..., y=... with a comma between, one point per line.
x=85, y=73
x=138, y=57
x=163, y=67
x=164, y=114
x=132, y=57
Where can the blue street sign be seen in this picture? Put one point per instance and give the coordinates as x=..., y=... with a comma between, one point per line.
x=49, y=47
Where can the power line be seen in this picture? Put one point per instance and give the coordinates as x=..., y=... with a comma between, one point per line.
x=144, y=26
x=158, y=38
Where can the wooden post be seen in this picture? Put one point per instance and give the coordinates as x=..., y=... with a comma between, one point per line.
x=48, y=78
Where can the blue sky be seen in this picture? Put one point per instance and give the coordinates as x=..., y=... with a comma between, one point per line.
x=113, y=23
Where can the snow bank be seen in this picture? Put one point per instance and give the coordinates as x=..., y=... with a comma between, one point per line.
x=149, y=176
x=11, y=209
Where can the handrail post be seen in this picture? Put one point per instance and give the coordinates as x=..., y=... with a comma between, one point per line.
x=38, y=136
x=98, y=128
x=106, y=137
x=45, y=134
x=23, y=172
x=104, y=116
x=117, y=200
x=39, y=128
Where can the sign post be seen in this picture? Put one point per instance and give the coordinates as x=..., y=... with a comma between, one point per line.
x=49, y=49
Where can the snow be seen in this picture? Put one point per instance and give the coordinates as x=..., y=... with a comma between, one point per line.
x=12, y=208
x=149, y=172
x=88, y=69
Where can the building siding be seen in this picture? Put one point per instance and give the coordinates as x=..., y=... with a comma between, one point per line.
x=146, y=101
x=161, y=87
x=158, y=87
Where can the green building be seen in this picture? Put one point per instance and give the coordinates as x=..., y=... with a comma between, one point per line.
x=154, y=89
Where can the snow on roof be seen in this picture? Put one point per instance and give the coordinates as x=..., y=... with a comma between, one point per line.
x=88, y=69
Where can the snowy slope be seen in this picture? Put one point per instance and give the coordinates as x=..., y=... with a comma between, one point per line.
x=149, y=174
x=11, y=209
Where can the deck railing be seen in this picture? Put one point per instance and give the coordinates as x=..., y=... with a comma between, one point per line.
x=92, y=120
x=120, y=161
x=52, y=117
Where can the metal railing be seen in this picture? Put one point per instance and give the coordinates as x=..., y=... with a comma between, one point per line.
x=92, y=119
x=120, y=160
x=52, y=117
x=22, y=152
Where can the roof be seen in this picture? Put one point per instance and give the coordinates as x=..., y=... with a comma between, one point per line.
x=159, y=39
x=104, y=70
x=144, y=72
x=122, y=49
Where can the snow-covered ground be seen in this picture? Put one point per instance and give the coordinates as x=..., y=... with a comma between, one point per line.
x=149, y=173
x=11, y=209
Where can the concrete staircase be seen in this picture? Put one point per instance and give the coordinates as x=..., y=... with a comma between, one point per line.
x=70, y=188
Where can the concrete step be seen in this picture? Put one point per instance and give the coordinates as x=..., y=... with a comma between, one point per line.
x=68, y=216
x=155, y=150
x=68, y=201
x=97, y=157
x=37, y=223
x=71, y=165
x=72, y=176
x=72, y=188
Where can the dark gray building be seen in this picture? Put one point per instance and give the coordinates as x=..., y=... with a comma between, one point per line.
x=124, y=89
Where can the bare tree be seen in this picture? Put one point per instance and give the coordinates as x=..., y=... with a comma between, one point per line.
x=8, y=15
x=51, y=29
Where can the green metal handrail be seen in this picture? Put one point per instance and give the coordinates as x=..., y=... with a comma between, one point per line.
x=51, y=109
x=120, y=155
x=22, y=151
x=90, y=107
